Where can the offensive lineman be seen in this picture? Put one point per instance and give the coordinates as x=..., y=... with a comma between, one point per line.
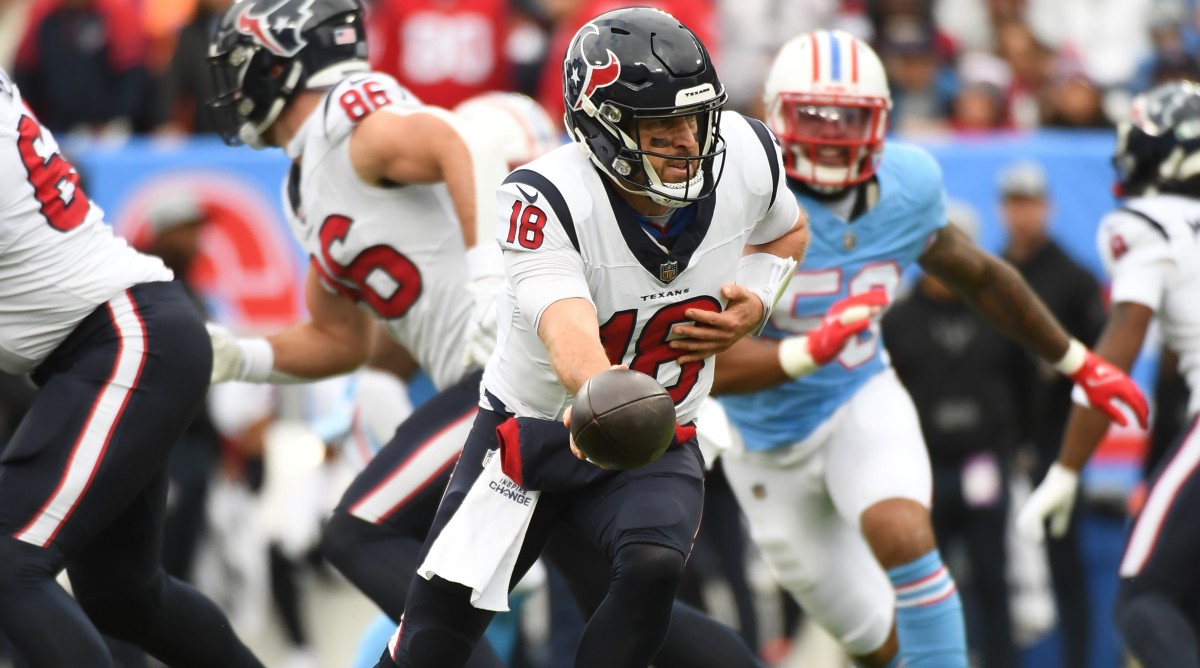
x=1150, y=247
x=640, y=237
x=122, y=361
x=833, y=474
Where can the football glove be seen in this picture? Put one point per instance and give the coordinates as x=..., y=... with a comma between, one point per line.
x=1053, y=499
x=239, y=359
x=481, y=329
x=801, y=355
x=1100, y=385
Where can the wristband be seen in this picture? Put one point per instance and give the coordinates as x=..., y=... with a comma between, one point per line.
x=794, y=357
x=258, y=360
x=1072, y=360
x=765, y=275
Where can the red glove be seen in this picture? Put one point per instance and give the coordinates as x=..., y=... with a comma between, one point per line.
x=801, y=355
x=1104, y=384
x=842, y=321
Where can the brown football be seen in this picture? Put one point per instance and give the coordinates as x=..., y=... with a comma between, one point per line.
x=622, y=419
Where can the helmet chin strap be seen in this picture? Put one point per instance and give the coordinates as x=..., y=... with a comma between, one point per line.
x=661, y=192
x=693, y=185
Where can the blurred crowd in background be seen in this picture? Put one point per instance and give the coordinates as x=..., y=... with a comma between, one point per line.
x=116, y=68
x=137, y=66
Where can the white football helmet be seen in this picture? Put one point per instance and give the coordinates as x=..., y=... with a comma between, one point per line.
x=519, y=126
x=827, y=100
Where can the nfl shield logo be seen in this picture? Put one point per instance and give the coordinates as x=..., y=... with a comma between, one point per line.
x=667, y=271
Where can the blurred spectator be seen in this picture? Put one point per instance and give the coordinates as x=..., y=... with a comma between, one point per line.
x=567, y=16
x=1108, y=37
x=968, y=382
x=181, y=96
x=1174, y=55
x=1073, y=297
x=176, y=222
x=163, y=19
x=1072, y=100
x=13, y=17
x=1030, y=62
x=981, y=105
x=81, y=66
x=923, y=87
x=751, y=32
x=971, y=23
x=444, y=51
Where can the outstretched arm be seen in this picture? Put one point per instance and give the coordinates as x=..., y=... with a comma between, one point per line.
x=1054, y=497
x=336, y=339
x=1119, y=344
x=997, y=291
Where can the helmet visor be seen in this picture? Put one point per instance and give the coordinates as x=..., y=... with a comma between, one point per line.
x=830, y=141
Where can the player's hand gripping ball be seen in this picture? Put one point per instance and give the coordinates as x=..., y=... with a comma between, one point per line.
x=622, y=419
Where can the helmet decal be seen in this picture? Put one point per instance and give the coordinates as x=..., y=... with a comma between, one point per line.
x=279, y=26
x=595, y=77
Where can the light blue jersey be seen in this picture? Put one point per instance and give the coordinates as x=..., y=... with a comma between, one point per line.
x=844, y=259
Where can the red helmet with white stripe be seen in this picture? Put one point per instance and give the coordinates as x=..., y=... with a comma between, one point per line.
x=827, y=100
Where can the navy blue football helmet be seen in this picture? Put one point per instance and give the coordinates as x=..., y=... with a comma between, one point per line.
x=265, y=51
x=1158, y=147
x=639, y=63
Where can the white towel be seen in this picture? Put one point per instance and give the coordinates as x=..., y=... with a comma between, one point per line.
x=478, y=548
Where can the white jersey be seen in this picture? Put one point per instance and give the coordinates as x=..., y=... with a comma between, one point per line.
x=1151, y=248
x=567, y=234
x=396, y=251
x=58, y=259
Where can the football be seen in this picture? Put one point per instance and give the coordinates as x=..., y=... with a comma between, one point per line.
x=622, y=419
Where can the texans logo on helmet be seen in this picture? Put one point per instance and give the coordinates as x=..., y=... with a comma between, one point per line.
x=585, y=77
x=278, y=27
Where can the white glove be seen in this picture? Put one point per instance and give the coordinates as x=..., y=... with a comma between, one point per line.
x=481, y=329
x=239, y=359
x=1053, y=499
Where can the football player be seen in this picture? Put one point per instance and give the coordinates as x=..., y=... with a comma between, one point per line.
x=672, y=213
x=1149, y=246
x=833, y=473
x=122, y=361
x=382, y=197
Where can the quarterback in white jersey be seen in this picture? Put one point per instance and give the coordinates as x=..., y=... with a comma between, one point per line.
x=122, y=362
x=582, y=242
x=1151, y=248
x=656, y=241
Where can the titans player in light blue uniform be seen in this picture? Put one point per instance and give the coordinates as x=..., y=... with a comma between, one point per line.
x=830, y=467
x=844, y=260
